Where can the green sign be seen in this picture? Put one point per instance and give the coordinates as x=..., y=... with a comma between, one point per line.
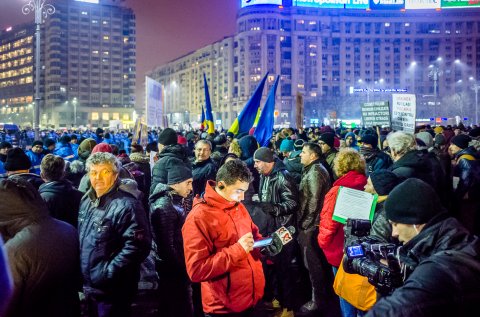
x=460, y=3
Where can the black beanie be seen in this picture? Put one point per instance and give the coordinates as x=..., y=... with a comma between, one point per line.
x=263, y=154
x=168, y=137
x=178, y=174
x=461, y=140
x=413, y=202
x=37, y=142
x=48, y=142
x=370, y=139
x=327, y=138
x=384, y=181
x=17, y=160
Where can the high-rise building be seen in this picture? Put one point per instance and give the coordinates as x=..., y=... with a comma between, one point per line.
x=88, y=65
x=335, y=57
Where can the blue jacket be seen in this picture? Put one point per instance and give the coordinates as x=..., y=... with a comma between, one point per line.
x=3, y=172
x=36, y=159
x=65, y=151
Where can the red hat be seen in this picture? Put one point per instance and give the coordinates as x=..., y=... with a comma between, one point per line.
x=102, y=147
x=181, y=140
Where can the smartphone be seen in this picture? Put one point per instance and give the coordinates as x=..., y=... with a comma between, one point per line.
x=262, y=243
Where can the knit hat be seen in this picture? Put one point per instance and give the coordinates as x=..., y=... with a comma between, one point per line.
x=178, y=174
x=412, y=202
x=286, y=145
x=102, y=147
x=181, y=140
x=438, y=130
x=263, y=154
x=65, y=139
x=167, y=137
x=17, y=160
x=426, y=138
x=298, y=145
x=6, y=144
x=440, y=139
x=327, y=138
x=85, y=148
x=48, y=142
x=461, y=140
x=474, y=132
x=384, y=181
x=99, y=131
x=37, y=142
x=370, y=139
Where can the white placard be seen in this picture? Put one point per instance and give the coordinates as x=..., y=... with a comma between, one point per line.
x=404, y=107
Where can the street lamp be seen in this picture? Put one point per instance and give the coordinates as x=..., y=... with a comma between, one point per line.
x=435, y=73
x=475, y=88
x=74, y=112
x=41, y=10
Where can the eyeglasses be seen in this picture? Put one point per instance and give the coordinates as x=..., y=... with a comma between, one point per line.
x=102, y=173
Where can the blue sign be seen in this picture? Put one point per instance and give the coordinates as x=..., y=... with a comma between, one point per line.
x=348, y=4
x=387, y=4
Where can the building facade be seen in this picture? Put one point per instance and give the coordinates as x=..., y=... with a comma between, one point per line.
x=336, y=58
x=88, y=65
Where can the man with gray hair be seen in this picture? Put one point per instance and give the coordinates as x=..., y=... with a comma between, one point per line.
x=204, y=168
x=114, y=239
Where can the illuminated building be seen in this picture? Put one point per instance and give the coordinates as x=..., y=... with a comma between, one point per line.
x=89, y=60
x=328, y=53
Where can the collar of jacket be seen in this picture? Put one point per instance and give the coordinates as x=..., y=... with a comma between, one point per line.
x=212, y=198
x=93, y=195
x=352, y=179
x=309, y=166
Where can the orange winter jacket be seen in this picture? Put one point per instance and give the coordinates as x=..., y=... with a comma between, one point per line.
x=232, y=280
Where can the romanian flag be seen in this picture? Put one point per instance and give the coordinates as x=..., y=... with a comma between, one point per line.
x=202, y=121
x=245, y=120
x=264, y=130
x=208, y=109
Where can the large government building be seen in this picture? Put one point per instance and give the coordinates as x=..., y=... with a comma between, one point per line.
x=336, y=54
x=88, y=66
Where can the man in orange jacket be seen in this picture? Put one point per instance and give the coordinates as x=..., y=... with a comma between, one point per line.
x=218, y=237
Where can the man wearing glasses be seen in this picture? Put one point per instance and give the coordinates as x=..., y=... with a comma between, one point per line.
x=114, y=238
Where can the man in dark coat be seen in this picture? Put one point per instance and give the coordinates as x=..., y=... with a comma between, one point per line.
x=42, y=253
x=171, y=155
x=439, y=258
x=314, y=186
x=62, y=199
x=167, y=218
x=204, y=168
x=375, y=159
x=18, y=165
x=114, y=238
x=278, y=194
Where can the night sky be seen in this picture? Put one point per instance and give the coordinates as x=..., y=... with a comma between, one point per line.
x=166, y=29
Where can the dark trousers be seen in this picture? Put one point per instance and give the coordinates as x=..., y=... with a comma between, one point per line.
x=246, y=313
x=118, y=307
x=319, y=270
x=280, y=276
x=174, y=293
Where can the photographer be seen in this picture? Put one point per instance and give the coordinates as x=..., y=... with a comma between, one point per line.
x=440, y=260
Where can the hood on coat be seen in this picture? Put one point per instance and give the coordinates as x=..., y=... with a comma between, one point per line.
x=352, y=179
x=212, y=198
x=160, y=190
x=21, y=206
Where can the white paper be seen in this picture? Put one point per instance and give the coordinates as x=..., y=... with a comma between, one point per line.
x=353, y=204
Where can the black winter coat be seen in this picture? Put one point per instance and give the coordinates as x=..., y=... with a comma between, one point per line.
x=442, y=269
x=62, y=199
x=170, y=157
x=202, y=172
x=114, y=240
x=279, y=195
x=167, y=218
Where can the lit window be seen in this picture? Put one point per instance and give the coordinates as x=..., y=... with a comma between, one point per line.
x=94, y=21
x=387, y=24
x=407, y=24
x=84, y=13
x=301, y=21
x=125, y=40
x=105, y=116
x=106, y=37
x=126, y=116
x=105, y=22
x=94, y=52
x=106, y=53
x=301, y=86
x=115, y=116
x=94, y=115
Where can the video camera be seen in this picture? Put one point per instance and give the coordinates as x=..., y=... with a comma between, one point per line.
x=363, y=255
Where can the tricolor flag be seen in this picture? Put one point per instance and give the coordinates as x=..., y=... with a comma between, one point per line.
x=245, y=120
x=202, y=121
x=264, y=130
x=208, y=109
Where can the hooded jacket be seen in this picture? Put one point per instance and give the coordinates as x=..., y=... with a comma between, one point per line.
x=330, y=232
x=62, y=200
x=232, y=280
x=114, y=240
x=442, y=273
x=170, y=157
x=45, y=272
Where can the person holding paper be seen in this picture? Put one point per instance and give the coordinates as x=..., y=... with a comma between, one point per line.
x=350, y=167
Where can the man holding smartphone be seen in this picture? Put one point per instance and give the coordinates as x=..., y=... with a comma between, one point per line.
x=218, y=237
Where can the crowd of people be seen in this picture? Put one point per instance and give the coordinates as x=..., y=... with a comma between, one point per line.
x=88, y=216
